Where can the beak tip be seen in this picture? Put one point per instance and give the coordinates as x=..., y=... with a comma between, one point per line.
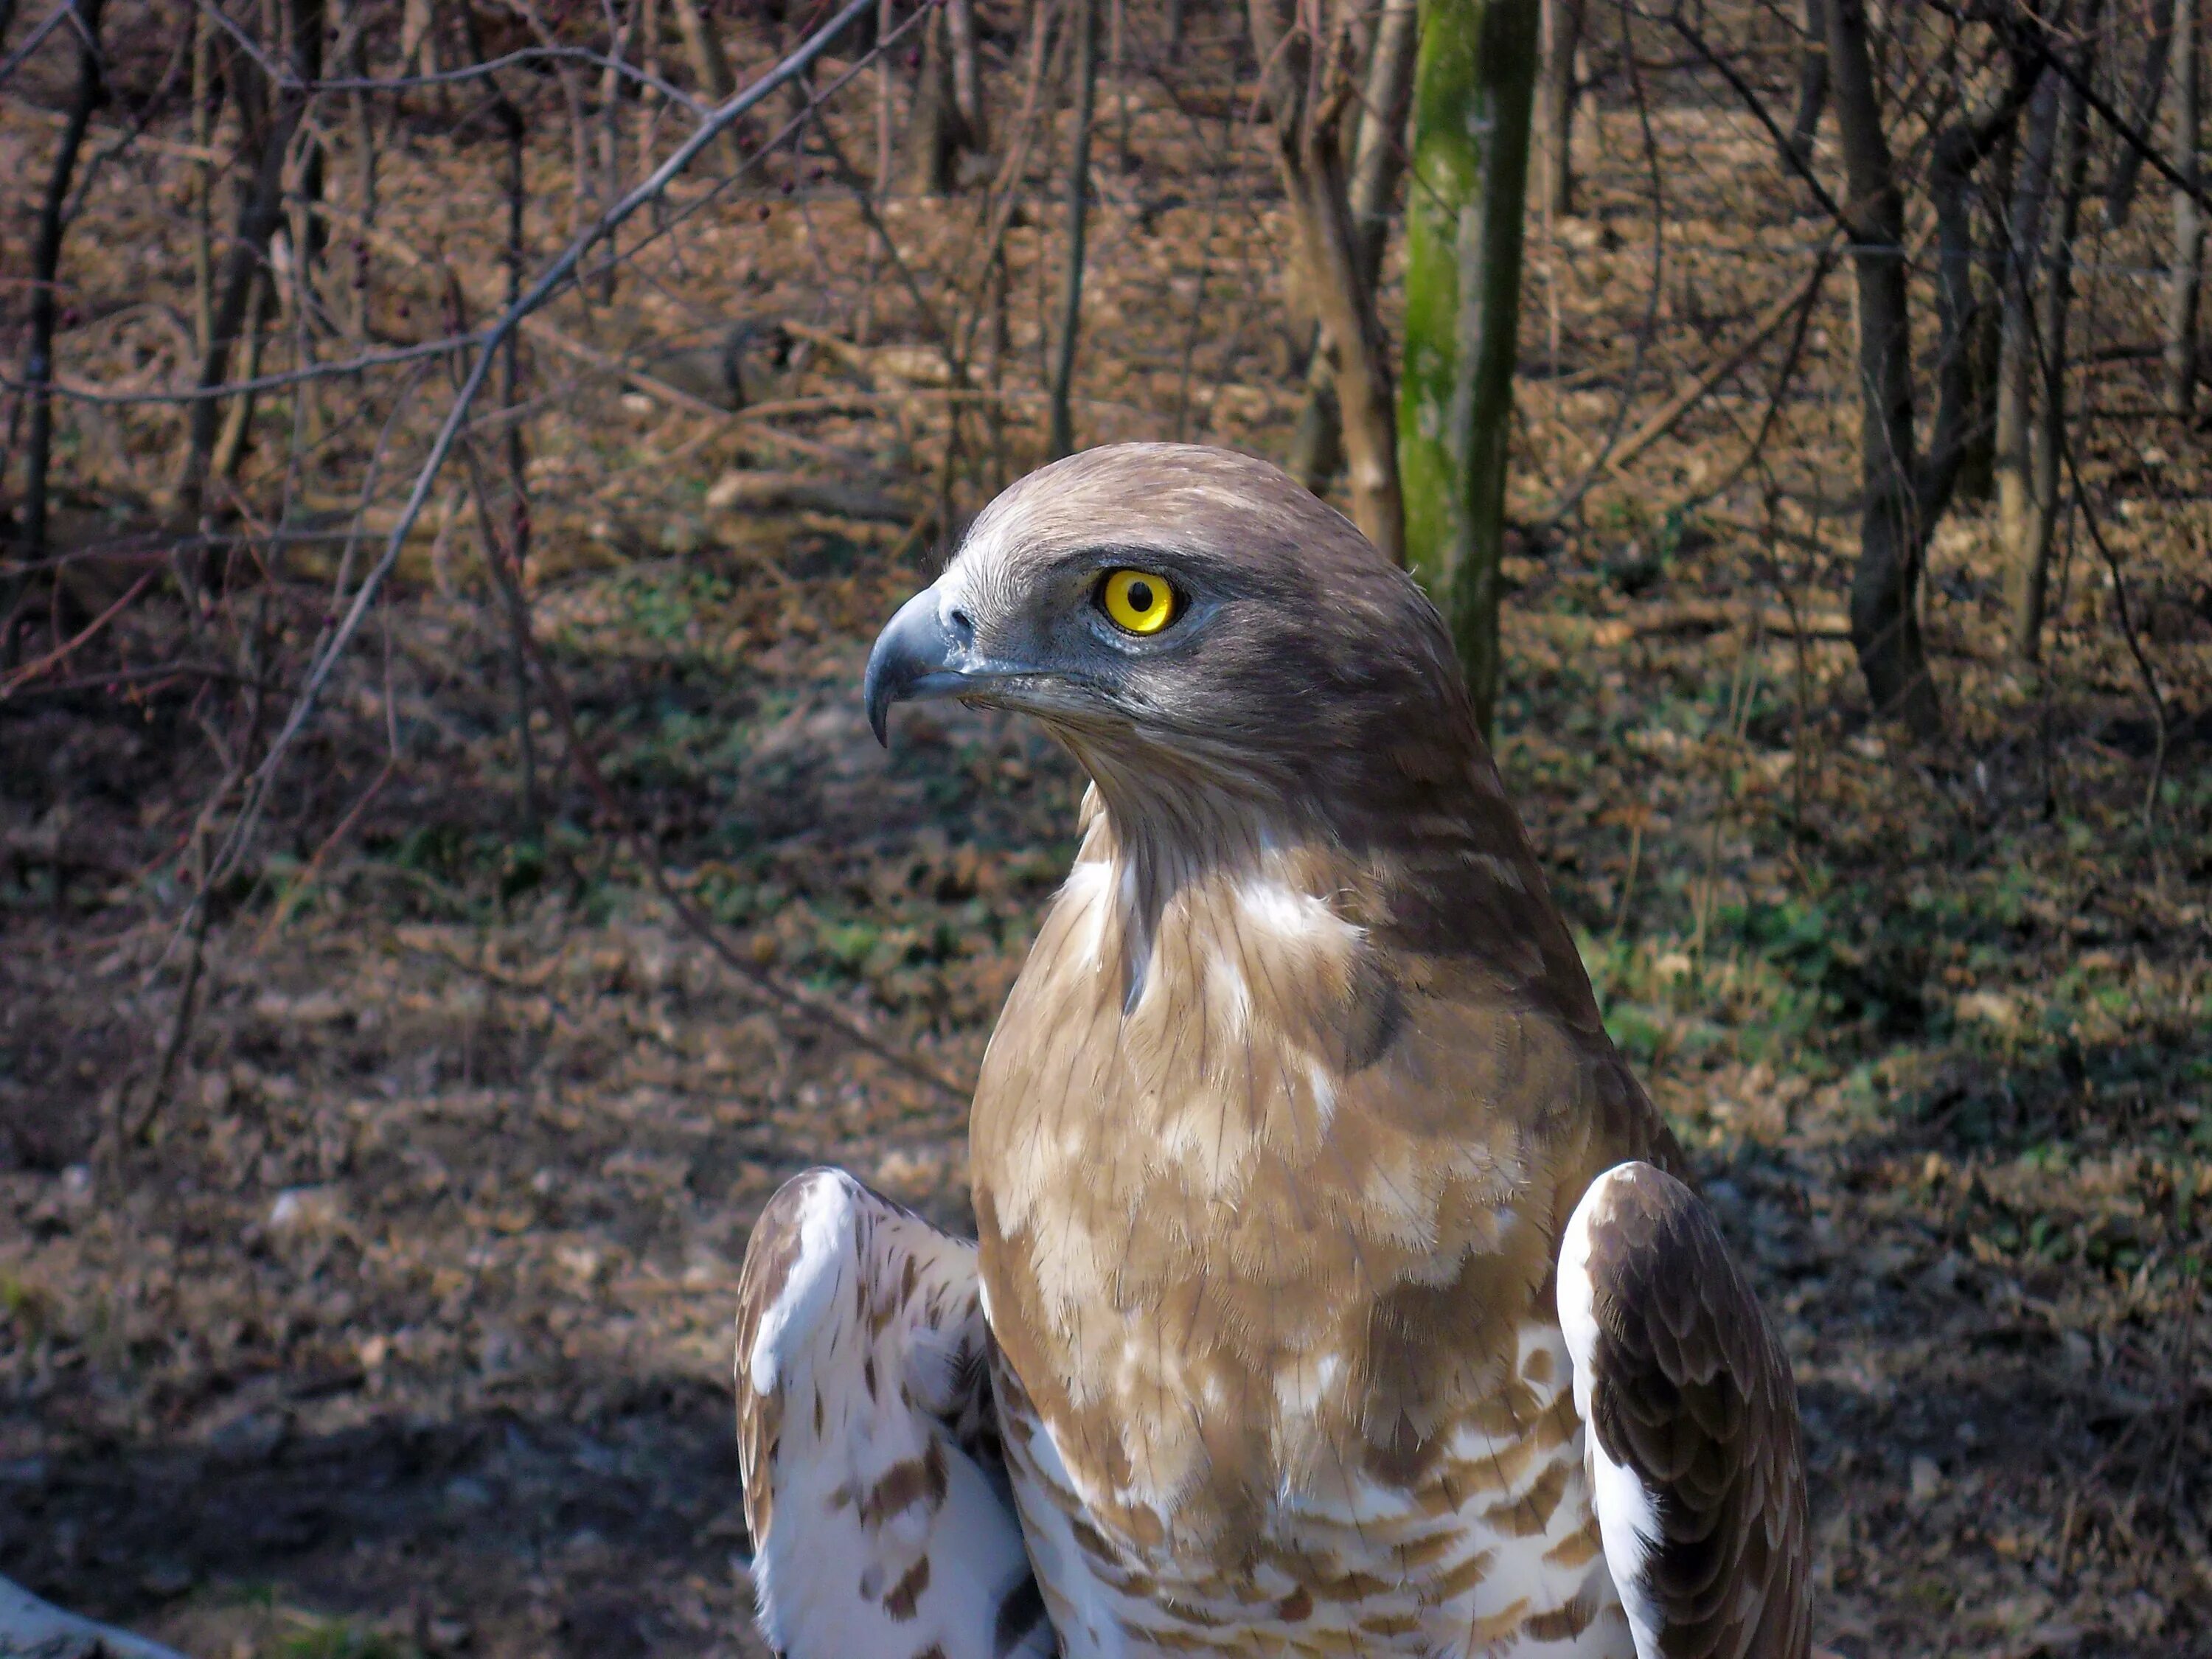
x=913, y=646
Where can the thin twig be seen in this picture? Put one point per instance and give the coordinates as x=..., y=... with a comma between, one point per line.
x=1664, y=419
x=2135, y=643
x=304, y=883
x=1571, y=499
x=52, y=20
x=1797, y=163
x=773, y=986
x=12, y=683
x=555, y=275
x=98, y=395
x=2124, y=129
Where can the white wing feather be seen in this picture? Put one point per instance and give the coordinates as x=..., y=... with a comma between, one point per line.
x=883, y=1527
x=1627, y=1511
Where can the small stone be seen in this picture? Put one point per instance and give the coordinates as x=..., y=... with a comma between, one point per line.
x=462, y=1492
x=304, y=1212
x=1927, y=1480
x=166, y=1579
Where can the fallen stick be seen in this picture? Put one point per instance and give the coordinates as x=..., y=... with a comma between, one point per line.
x=547, y=333
x=562, y=269
x=608, y=363
x=865, y=402
x=796, y=492
x=772, y=986
x=1718, y=615
x=1762, y=329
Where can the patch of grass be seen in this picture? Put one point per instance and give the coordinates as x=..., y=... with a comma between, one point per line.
x=25, y=1306
x=338, y=1639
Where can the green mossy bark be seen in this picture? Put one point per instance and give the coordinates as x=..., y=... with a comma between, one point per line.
x=1473, y=93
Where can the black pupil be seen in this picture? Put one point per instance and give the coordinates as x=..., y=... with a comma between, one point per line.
x=1140, y=597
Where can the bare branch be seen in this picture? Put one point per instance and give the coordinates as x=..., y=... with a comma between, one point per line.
x=53, y=20
x=221, y=389
x=540, y=291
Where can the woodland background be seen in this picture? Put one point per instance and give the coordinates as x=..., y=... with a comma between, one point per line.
x=438, y=905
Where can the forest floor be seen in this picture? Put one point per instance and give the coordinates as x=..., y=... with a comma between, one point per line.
x=404, y=1326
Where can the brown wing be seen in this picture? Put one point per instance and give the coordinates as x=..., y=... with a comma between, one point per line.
x=881, y=1523
x=1697, y=1475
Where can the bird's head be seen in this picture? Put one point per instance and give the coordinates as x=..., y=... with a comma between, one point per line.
x=1190, y=620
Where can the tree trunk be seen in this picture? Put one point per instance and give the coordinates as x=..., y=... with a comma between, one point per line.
x=884, y=23
x=304, y=24
x=207, y=112
x=507, y=548
x=260, y=210
x=230, y=444
x=2184, y=286
x=1978, y=478
x=2031, y=565
x=1962, y=394
x=1379, y=159
x=1555, y=106
x=1308, y=89
x=966, y=74
x=710, y=68
x=365, y=158
x=517, y=469
x=2143, y=113
x=1812, y=82
x=933, y=134
x=2017, y=353
x=1116, y=43
x=305, y=21
x=620, y=37
x=90, y=93
x=1470, y=137
x=1079, y=198
x=1885, y=610
x=418, y=38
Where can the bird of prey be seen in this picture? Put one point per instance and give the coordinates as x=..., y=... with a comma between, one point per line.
x=1337, y=1290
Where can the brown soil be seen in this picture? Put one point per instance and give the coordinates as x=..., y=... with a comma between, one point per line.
x=404, y=1326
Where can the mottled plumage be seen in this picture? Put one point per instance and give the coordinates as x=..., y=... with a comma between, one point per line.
x=867, y=1439
x=1277, y=1138
x=1692, y=1422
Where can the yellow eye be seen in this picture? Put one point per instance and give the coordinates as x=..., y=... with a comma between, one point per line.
x=1138, y=600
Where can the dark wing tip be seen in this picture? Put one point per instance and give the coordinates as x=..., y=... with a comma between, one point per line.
x=1689, y=1389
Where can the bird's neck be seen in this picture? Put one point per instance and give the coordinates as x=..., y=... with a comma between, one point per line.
x=1419, y=860
x=1177, y=868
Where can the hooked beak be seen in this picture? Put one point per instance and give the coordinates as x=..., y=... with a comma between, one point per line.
x=922, y=653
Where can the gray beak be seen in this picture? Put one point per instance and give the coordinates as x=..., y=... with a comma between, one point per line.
x=918, y=655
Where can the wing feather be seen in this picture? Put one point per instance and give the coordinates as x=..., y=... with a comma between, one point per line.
x=883, y=1526
x=1686, y=1394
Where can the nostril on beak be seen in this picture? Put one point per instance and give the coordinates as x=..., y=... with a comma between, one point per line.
x=962, y=625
